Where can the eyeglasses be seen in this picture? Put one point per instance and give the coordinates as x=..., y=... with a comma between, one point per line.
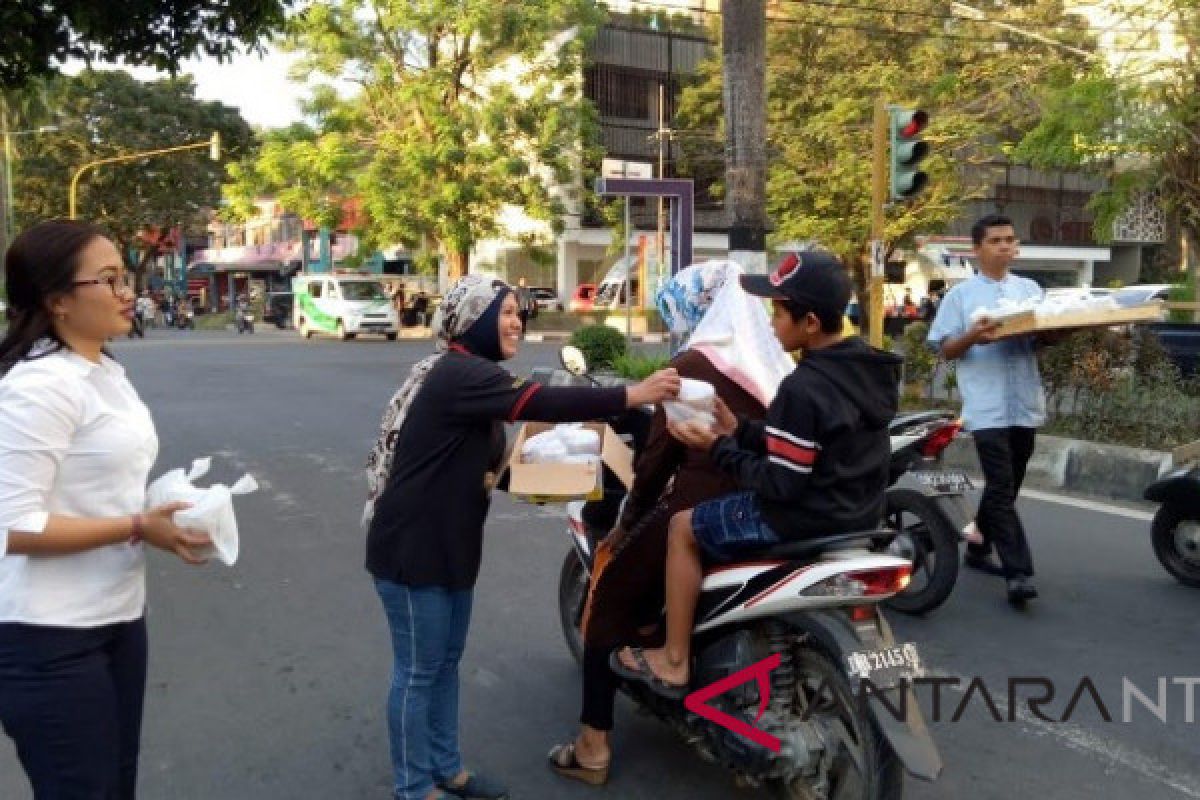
x=116, y=283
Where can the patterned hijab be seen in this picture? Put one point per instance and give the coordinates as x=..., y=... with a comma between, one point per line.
x=468, y=301
x=729, y=327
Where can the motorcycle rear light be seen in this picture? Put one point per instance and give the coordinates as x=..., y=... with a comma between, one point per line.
x=940, y=439
x=863, y=583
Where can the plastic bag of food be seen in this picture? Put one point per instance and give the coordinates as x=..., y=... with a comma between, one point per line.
x=211, y=508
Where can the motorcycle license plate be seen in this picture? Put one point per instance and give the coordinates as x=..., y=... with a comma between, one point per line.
x=886, y=667
x=945, y=480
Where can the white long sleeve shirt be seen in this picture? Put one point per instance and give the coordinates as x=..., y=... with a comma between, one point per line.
x=75, y=440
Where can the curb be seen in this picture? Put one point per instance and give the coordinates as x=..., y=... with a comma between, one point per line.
x=1105, y=471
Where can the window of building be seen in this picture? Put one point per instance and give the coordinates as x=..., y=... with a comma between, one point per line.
x=618, y=93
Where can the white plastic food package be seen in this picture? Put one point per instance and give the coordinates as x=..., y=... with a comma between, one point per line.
x=697, y=399
x=569, y=443
x=212, y=507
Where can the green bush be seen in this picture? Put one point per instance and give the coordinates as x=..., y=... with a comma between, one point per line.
x=1180, y=293
x=919, y=360
x=601, y=345
x=638, y=367
x=1105, y=386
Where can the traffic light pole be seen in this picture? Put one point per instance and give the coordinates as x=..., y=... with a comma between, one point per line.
x=879, y=190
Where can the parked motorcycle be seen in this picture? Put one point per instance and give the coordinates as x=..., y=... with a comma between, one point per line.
x=185, y=319
x=1175, y=531
x=244, y=318
x=926, y=506
x=813, y=603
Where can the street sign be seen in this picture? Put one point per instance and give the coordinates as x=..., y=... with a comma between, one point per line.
x=878, y=258
x=617, y=168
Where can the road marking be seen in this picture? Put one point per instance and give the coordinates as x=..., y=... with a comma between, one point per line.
x=1088, y=505
x=1082, y=741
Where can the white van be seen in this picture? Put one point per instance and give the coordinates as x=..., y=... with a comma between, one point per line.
x=342, y=304
x=611, y=291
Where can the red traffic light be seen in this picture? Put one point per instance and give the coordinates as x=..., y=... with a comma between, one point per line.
x=915, y=124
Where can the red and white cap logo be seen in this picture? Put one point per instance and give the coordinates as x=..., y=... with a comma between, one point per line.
x=785, y=268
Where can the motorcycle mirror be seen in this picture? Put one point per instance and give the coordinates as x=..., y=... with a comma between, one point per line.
x=573, y=360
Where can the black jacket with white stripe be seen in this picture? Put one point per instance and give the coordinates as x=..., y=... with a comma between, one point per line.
x=819, y=462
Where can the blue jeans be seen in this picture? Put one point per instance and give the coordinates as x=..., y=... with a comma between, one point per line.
x=729, y=526
x=429, y=630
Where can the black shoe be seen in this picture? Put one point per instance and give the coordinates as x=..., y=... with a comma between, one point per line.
x=1020, y=589
x=983, y=564
x=477, y=787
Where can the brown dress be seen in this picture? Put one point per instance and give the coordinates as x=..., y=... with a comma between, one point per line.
x=627, y=582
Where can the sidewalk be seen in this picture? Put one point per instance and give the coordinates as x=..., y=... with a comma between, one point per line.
x=1074, y=466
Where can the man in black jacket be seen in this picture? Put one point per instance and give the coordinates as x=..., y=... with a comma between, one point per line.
x=816, y=466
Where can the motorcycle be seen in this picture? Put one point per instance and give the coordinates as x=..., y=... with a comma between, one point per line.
x=185, y=319
x=1175, y=531
x=244, y=319
x=926, y=506
x=814, y=604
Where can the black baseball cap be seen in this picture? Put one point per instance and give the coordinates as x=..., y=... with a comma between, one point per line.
x=812, y=279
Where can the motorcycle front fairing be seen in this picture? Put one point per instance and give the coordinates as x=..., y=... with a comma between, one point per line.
x=1179, y=487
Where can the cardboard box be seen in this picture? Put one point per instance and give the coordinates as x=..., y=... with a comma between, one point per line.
x=561, y=483
x=1027, y=322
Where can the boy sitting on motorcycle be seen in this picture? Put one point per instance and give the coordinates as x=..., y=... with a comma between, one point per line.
x=817, y=465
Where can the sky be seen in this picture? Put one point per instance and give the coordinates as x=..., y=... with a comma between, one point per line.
x=257, y=85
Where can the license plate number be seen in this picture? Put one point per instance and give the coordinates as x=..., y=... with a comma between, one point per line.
x=945, y=481
x=885, y=667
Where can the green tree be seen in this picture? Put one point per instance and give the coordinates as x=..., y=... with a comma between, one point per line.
x=157, y=33
x=1139, y=127
x=464, y=106
x=103, y=114
x=827, y=62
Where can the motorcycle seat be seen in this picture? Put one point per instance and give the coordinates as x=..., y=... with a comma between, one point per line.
x=809, y=548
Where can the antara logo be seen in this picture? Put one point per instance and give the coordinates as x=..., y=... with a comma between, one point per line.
x=696, y=702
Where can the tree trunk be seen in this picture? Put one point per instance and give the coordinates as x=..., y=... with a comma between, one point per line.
x=743, y=52
x=456, y=264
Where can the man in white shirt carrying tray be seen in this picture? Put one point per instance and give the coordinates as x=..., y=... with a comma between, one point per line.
x=1003, y=400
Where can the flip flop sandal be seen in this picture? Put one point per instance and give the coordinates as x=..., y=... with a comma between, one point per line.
x=565, y=762
x=644, y=674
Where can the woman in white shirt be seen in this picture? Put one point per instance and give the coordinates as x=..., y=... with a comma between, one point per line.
x=76, y=448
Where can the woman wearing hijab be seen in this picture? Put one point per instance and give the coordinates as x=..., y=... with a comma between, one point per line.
x=430, y=477
x=730, y=345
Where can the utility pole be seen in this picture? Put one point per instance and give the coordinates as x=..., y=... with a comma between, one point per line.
x=743, y=54
x=878, y=254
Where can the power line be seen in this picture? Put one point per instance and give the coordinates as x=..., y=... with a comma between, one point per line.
x=1087, y=28
x=840, y=26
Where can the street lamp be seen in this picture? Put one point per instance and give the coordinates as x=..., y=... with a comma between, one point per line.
x=213, y=143
x=8, y=190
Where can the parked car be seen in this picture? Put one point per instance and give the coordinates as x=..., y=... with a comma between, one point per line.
x=1181, y=340
x=583, y=298
x=546, y=298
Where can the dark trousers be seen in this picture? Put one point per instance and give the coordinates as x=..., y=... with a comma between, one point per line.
x=71, y=701
x=1004, y=454
x=626, y=594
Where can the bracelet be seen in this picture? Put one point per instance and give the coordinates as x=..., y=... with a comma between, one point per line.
x=138, y=530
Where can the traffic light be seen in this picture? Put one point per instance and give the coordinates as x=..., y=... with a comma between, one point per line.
x=907, y=152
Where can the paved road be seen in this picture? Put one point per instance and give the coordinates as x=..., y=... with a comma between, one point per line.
x=267, y=680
